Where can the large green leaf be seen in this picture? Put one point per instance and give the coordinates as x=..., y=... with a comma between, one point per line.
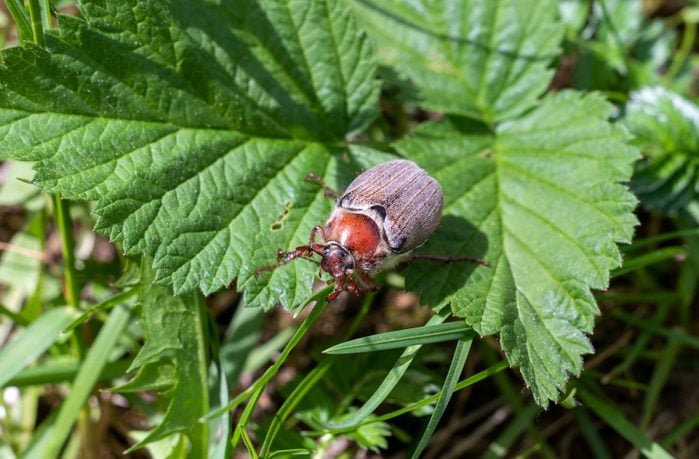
x=666, y=129
x=193, y=124
x=539, y=199
x=483, y=59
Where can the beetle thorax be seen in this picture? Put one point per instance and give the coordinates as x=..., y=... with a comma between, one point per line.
x=357, y=233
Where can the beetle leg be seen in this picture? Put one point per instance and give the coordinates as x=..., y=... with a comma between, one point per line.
x=300, y=251
x=317, y=230
x=369, y=282
x=333, y=295
x=327, y=191
x=339, y=288
x=447, y=259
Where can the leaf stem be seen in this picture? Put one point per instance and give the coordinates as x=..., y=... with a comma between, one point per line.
x=64, y=225
x=37, y=23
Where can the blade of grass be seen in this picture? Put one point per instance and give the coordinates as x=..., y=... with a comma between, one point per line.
x=240, y=339
x=33, y=341
x=83, y=385
x=248, y=443
x=387, y=385
x=640, y=344
x=463, y=346
x=463, y=384
x=292, y=401
x=308, y=382
x=259, y=385
x=652, y=240
x=677, y=335
x=512, y=396
x=501, y=445
x=21, y=19
x=594, y=441
x=17, y=319
x=641, y=261
x=272, y=371
x=660, y=375
x=103, y=306
x=219, y=445
x=36, y=23
x=265, y=351
x=614, y=418
x=57, y=373
x=426, y=334
x=291, y=453
x=687, y=427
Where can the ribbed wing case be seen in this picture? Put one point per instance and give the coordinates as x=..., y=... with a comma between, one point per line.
x=410, y=199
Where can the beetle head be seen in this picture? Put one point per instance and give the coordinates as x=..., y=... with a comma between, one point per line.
x=337, y=260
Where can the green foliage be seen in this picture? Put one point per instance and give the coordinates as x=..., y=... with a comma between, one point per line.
x=193, y=125
x=189, y=128
x=485, y=60
x=161, y=122
x=173, y=361
x=538, y=200
x=666, y=129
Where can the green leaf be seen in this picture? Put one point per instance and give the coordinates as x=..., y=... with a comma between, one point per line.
x=193, y=124
x=173, y=361
x=486, y=60
x=539, y=199
x=372, y=435
x=618, y=21
x=666, y=127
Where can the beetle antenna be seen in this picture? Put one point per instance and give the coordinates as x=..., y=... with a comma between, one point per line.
x=447, y=259
x=327, y=191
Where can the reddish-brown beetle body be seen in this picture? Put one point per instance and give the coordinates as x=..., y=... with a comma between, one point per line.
x=385, y=212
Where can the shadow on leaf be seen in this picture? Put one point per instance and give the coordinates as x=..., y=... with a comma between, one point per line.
x=435, y=281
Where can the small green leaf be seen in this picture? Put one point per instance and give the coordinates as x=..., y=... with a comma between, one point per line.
x=666, y=127
x=371, y=435
x=192, y=124
x=539, y=199
x=403, y=338
x=487, y=60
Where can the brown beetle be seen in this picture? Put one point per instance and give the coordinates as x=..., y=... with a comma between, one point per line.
x=386, y=212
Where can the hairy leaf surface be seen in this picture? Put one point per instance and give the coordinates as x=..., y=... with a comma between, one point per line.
x=666, y=129
x=193, y=124
x=540, y=200
x=483, y=59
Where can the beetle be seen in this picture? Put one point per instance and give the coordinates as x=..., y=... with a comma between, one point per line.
x=385, y=213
